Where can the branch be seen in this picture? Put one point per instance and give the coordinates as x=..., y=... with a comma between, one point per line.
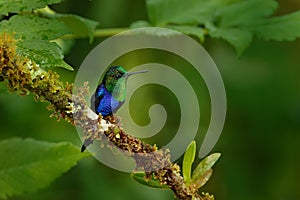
x=24, y=76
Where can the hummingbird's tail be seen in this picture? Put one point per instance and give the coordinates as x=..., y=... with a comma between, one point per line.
x=85, y=144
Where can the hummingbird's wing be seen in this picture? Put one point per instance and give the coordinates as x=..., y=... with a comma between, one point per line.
x=96, y=97
x=94, y=103
x=95, y=100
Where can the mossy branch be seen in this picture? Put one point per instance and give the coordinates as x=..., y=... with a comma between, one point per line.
x=24, y=76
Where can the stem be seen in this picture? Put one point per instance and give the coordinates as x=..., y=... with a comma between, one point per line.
x=107, y=32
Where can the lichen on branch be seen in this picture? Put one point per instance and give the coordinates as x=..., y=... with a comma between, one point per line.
x=24, y=76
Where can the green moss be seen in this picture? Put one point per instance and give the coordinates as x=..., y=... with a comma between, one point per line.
x=23, y=76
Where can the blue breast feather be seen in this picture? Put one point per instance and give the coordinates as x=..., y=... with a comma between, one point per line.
x=103, y=102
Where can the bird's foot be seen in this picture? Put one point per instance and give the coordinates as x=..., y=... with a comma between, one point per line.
x=112, y=119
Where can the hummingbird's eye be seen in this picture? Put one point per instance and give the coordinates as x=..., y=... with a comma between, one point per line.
x=118, y=75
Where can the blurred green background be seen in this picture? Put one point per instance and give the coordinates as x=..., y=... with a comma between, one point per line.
x=261, y=137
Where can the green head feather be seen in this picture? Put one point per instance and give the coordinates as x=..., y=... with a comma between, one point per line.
x=115, y=82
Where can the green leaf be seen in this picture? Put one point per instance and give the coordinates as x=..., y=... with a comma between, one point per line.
x=28, y=165
x=190, y=30
x=33, y=27
x=188, y=12
x=240, y=39
x=81, y=27
x=237, y=31
x=151, y=182
x=203, y=179
x=235, y=21
x=188, y=159
x=204, y=166
x=280, y=28
x=46, y=54
x=249, y=12
x=16, y=6
x=36, y=42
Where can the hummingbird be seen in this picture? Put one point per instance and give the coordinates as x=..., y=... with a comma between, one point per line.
x=110, y=94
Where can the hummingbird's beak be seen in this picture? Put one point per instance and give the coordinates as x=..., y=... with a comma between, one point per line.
x=138, y=72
